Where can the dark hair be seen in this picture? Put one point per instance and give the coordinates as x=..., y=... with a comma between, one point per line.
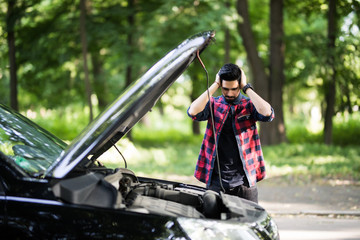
x=230, y=72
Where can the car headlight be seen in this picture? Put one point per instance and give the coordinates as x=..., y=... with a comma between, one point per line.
x=269, y=227
x=211, y=229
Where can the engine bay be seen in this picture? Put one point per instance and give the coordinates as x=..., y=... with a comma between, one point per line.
x=122, y=189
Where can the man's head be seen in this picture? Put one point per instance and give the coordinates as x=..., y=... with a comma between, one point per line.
x=230, y=77
x=230, y=72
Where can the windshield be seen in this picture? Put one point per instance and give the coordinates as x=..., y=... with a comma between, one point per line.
x=27, y=145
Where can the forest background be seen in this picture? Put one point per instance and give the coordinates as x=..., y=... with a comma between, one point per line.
x=63, y=61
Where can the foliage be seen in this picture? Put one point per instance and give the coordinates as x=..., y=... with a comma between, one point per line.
x=307, y=53
x=65, y=123
x=48, y=45
x=346, y=130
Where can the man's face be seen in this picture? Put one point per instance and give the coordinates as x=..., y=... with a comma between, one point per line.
x=230, y=90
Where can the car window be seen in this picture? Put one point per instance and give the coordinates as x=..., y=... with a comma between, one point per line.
x=26, y=144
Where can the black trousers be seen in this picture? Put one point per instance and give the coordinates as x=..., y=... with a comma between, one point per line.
x=249, y=193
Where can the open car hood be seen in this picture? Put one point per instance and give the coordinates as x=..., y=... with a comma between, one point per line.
x=130, y=106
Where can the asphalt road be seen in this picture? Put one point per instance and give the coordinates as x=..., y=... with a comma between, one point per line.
x=313, y=210
x=317, y=228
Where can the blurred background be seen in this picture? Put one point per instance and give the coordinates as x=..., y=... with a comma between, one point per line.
x=63, y=61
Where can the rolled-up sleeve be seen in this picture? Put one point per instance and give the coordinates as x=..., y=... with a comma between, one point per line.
x=262, y=118
x=201, y=116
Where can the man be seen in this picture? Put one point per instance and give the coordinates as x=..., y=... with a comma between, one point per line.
x=241, y=162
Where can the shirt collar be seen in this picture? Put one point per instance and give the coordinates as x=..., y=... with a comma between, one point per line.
x=236, y=101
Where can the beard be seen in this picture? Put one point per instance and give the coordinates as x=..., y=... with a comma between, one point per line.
x=230, y=99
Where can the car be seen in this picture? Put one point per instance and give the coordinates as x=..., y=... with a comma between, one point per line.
x=53, y=190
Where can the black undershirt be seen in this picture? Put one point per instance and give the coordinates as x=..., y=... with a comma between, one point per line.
x=232, y=172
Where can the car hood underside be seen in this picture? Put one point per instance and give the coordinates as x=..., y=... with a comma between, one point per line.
x=130, y=106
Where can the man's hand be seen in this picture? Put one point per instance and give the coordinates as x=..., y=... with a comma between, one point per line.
x=199, y=104
x=243, y=81
x=217, y=80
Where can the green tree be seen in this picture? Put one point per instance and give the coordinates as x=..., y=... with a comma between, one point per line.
x=49, y=43
x=175, y=20
x=321, y=53
x=125, y=37
x=15, y=11
x=276, y=130
x=330, y=81
x=268, y=86
x=10, y=24
x=83, y=13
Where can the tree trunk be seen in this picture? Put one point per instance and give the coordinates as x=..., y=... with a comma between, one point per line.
x=256, y=64
x=130, y=43
x=227, y=39
x=99, y=80
x=100, y=88
x=195, y=125
x=227, y=46
x=10, y=24
x=348, y=105
x=260, y=79
x=330, y=84
x=277, y=77
x=199, y=85
x=84, y=53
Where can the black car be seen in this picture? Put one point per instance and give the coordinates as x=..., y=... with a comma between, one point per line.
x=52, y=190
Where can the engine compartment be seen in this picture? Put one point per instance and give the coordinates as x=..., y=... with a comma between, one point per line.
x=122, y=189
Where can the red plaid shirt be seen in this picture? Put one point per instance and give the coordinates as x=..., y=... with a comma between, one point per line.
x=246, y=135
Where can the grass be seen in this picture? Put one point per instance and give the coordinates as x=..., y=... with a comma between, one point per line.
x=314, y=160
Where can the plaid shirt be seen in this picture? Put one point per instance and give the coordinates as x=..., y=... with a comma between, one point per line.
x=246, y=135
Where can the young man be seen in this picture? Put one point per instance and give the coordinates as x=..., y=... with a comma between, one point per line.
x=241, y=162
